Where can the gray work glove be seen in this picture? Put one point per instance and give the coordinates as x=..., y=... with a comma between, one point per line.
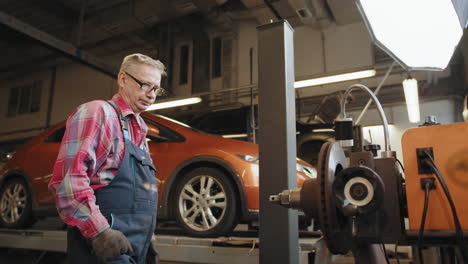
x=110, y=244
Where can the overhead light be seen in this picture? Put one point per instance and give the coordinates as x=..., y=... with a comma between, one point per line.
x=410, y=87
x=235, y=136
x=418, y=34
x=335, y=78
x=322, y=130
x=169, y=104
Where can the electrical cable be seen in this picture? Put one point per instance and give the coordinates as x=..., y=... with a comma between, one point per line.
x=376, y=92
x=378, y=105
x=397, y=257
x=423, y=222
x=273, y=9
x=385, y=253
x=401, y=165
x=458, y=229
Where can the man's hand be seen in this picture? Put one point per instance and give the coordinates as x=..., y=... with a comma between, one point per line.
x=110, y=244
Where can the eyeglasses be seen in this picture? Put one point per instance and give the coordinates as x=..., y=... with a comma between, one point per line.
x=147, y=87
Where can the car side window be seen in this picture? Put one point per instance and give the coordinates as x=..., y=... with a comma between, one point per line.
x=223, y=123
x=56, y=136
x=165, y=134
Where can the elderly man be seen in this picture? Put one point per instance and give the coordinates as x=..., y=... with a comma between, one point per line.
x=103, y=178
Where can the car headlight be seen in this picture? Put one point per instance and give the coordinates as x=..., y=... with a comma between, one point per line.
x=4, y=157
x=249, y=158
x=309, y=171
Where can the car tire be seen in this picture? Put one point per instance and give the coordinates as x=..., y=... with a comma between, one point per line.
x=16, y=204
x=308, y=146
x=208, y=211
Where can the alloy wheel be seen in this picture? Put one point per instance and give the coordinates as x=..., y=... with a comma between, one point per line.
x=13, y=202
x=202, y=202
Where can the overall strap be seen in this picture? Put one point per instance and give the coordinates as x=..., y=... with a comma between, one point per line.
x=123, y=121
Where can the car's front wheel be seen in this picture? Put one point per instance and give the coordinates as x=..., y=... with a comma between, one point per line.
x=205, y=203
x=15, y=204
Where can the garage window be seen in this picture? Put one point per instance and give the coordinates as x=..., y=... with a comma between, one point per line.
x=25, y=99
x=216, y=58
x=184, y=64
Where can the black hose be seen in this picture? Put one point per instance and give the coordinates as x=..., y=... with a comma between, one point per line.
x=458, y=229
x=397, y=257
x=423, y=222
x=385, y=253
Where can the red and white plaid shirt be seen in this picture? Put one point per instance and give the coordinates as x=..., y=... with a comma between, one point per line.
x=91, y=152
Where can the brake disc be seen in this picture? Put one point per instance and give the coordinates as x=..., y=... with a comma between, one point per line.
x=336, y=228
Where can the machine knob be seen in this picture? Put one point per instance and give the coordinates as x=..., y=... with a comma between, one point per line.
x=374, y=148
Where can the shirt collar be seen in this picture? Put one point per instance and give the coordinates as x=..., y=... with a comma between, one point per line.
x=125, y=109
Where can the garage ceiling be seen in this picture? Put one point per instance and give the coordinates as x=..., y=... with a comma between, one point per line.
x=105, y=28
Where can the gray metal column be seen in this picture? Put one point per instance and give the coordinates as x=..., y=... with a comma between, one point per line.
x=277, y=139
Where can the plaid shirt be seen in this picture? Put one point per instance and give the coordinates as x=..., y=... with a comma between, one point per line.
x=91, y=152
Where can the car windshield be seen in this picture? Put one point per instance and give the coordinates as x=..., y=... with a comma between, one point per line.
x=181, y=124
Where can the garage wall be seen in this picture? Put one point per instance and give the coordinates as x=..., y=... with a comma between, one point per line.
x=397, y=116
x=337, y=49
x=76, y=84
x=247, y=39
x=27, y=123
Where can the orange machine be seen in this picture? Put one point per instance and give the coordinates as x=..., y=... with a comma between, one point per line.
x=449, y=145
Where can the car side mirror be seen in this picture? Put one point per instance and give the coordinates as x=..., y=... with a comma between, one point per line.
x=153, y=130
x=157, y=138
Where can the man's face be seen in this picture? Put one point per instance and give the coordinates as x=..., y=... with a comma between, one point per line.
x=136, y=97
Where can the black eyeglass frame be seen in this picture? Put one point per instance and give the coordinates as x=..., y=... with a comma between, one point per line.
x=146, y=87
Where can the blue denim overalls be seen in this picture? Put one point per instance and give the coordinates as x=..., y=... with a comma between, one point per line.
x=129, y=203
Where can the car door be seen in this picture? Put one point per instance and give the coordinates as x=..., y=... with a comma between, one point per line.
x=43, y=156
x=166, y=150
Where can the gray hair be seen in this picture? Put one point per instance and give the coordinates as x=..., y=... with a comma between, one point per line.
x=137, y=58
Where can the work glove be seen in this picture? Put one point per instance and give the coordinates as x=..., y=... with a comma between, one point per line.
x=110, y=244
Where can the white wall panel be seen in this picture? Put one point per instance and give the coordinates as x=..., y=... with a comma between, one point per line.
x=347, y=47
x=308, y=52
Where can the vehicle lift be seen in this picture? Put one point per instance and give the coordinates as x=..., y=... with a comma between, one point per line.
x=174, y=248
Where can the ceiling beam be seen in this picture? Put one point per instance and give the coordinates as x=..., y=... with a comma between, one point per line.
x=58, y=45
x=57, y=8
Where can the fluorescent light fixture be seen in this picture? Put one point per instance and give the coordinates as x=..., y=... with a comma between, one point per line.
x=335, y=78
x=169, y=104
x=418, y=34
x=235, y=136
x=319, y=130
x=410, y=87
x=377, y=126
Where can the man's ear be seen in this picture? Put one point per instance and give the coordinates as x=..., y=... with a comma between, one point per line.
x=121, y=79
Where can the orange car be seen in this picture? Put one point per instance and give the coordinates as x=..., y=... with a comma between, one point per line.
x=206, y=183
